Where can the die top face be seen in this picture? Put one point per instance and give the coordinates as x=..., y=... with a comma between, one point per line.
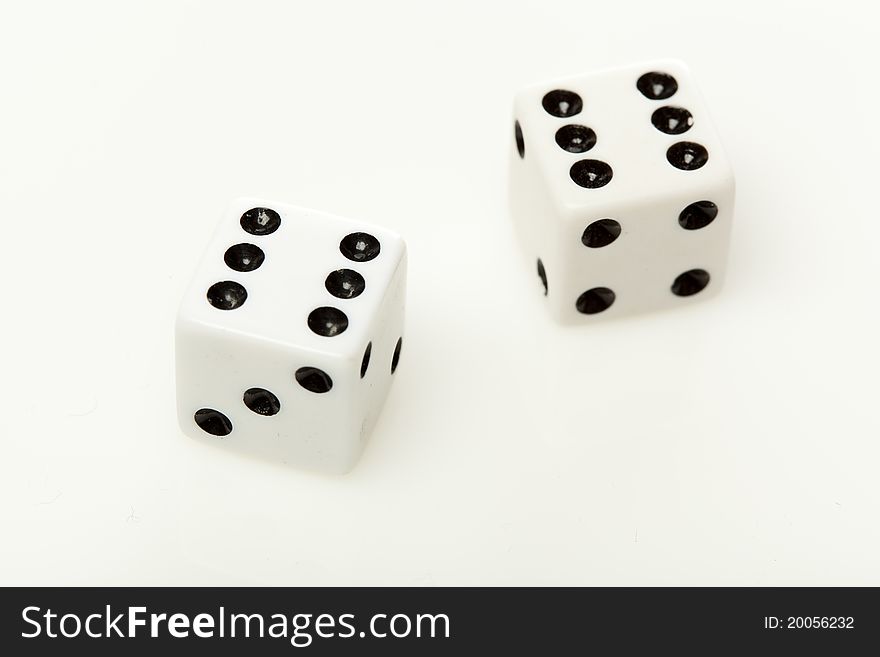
x=620, y=137
x=298, y=278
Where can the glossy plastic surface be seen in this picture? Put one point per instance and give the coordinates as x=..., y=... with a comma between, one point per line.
x=559, y=186
x=286, y=338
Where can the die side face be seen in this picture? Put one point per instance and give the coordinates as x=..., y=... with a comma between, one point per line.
x=217, y=371
x=603, y=170
x=298, y=366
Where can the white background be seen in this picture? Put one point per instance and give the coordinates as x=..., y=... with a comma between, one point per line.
x=735, y=442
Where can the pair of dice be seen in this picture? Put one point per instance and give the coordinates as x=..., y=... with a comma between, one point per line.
x=289, y=336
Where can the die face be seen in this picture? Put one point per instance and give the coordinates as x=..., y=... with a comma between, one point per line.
x=303, y=258
x=282, y=387
x=600, y=178
x=621, y=134
x=252, y=383
x=652, y=249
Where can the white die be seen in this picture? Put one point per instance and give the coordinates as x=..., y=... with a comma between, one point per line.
x=296, y=368
x=614, y=148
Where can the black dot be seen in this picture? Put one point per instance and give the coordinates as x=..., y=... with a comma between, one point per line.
x=601, y=233
x=328, y=321
x=698, y=215
x=591, y=173
x=261, y=401
x=213, y=422
x=395, y=358
x=520, y=143
x=345, y=283
x=359, y=247
x=575, y=138
x=260, y=221
x=365, y=361
x=690, y=282
x=687, y=155
x=313, y=379
x=562, y=103
x=595, y=300
x=657, y=86
x=244, y=257
x=227, y=295
x=542, y=275
x=672, y=120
